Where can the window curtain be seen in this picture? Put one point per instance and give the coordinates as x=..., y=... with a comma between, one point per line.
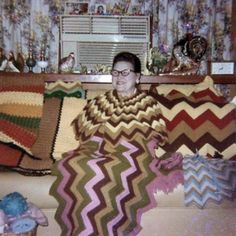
x=34, y=25
x=31, y=25
x=209, y=18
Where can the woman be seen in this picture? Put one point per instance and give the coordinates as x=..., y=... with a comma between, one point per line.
x=105, y=185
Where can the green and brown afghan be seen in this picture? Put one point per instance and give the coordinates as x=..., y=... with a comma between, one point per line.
x=105, y=185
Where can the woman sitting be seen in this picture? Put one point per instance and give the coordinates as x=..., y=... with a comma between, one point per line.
x=105, y=185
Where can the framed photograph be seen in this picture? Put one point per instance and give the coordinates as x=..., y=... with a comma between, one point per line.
x=100, y=9
x=222, y=68
x=76, y=8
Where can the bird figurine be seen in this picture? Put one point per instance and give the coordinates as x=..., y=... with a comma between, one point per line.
x=9, y=63
x=66, y=64
x=12, y=64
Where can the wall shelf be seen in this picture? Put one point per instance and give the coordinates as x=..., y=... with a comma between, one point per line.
x=106, y=79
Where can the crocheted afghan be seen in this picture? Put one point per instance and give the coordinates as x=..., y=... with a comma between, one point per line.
x=21, y=102
x=208, y=180
x=105, y=185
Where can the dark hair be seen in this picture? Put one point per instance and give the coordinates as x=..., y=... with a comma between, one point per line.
x=128, y=57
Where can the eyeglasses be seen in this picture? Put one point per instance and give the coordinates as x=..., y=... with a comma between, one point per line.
x=124, y=72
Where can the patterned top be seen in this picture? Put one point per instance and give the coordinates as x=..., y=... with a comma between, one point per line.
x=114, y=118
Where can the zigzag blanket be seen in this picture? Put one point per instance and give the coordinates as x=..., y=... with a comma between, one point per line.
x=208, y=180
x=105, y=185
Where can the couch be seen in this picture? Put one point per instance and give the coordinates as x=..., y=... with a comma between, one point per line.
x=30, y=174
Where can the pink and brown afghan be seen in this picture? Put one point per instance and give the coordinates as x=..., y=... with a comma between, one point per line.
x=105, y=185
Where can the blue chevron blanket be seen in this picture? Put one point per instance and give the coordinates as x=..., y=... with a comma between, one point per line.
x=208, y=180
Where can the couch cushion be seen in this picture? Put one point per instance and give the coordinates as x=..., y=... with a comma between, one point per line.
x=65, y=137
x=36, y=190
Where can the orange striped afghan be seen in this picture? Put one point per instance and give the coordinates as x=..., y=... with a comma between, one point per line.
x=21, y=102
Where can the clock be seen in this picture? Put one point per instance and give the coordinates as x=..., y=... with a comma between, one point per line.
x=223, y=68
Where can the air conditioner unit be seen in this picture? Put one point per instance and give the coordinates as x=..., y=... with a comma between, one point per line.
x=97, y=39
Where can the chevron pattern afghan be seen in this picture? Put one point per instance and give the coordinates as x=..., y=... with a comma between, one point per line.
x=21, y=103
x=105, y=185
x=198, y=120
x=63, y=89
x=208, y=180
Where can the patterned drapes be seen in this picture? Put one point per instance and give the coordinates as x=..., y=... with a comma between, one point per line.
x=21, y=20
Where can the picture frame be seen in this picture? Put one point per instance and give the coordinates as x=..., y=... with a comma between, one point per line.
x=76, y=8
x=222, y=68
x=100, y=9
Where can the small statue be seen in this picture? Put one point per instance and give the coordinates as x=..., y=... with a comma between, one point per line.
x=10, y=63
x=186, y=55
x=66, y=64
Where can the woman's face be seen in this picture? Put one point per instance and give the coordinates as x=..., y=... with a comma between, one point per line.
x=124, y=84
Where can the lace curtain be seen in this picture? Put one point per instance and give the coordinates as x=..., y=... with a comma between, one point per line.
x=38, y=20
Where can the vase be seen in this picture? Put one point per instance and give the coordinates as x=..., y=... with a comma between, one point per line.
x=30, y=62
x=43, y=65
